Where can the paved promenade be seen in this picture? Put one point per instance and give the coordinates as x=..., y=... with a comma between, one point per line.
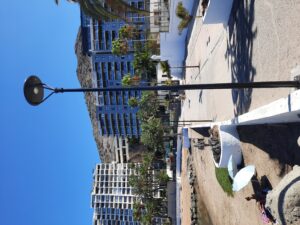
x=260, y=43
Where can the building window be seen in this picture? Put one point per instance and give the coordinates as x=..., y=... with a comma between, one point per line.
x=140, y=5
x=128, y=67
x=109, y=71
x=113, y=35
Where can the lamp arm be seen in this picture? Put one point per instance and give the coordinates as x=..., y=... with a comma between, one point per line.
x=48, y=96
x=48, y=87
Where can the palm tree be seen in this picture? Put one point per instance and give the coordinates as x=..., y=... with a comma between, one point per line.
x=57, y=1
x=93, y=9
x=109, y=9
x=183, y=14
x=96, y=10
x=122, y=7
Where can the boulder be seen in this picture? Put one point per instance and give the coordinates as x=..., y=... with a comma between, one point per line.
x=284, y=200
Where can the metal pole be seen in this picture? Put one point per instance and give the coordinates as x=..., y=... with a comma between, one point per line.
x=189, y=121
x=177, y=125
x=184, y=67
x=264, y=84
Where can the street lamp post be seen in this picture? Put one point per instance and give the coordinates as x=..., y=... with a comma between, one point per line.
x=34, y=88
x=189, y=121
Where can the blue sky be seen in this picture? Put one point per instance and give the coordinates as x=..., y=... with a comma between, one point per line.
x=47, y=152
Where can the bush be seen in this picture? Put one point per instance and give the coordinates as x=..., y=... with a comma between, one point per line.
x=127, y=32
x=120, y=47
x=152, y=133
x=133, y=102
x=126, y=80
x=148, y=106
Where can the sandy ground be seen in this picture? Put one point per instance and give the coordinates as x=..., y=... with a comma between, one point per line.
x=272, y=161
x=185, y=191
x=223, y=209
x=261, y=43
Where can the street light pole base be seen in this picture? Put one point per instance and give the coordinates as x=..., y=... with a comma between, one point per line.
x=295, y=74
x=297, y=77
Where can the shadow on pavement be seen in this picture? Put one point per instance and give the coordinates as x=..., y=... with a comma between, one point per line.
x=239, y=51
x=262, y=186
x=279, y=141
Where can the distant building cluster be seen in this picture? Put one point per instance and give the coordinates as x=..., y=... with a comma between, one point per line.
x=112, y=198
x=115, y=116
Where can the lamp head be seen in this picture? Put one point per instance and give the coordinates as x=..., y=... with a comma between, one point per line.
x=34, y=90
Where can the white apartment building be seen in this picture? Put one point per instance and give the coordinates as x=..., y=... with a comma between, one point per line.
x=114, y=149
x=121, y=149
x=112, y=197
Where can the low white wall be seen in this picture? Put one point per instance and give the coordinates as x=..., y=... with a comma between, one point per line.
x=284, y=110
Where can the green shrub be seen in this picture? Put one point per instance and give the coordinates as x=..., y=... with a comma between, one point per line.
x=126, y=80
x=224, y=180
x=127, y=32
x=120, y=47
x=133, y=102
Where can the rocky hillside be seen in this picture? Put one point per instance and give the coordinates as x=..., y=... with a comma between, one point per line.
x=84, y=75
